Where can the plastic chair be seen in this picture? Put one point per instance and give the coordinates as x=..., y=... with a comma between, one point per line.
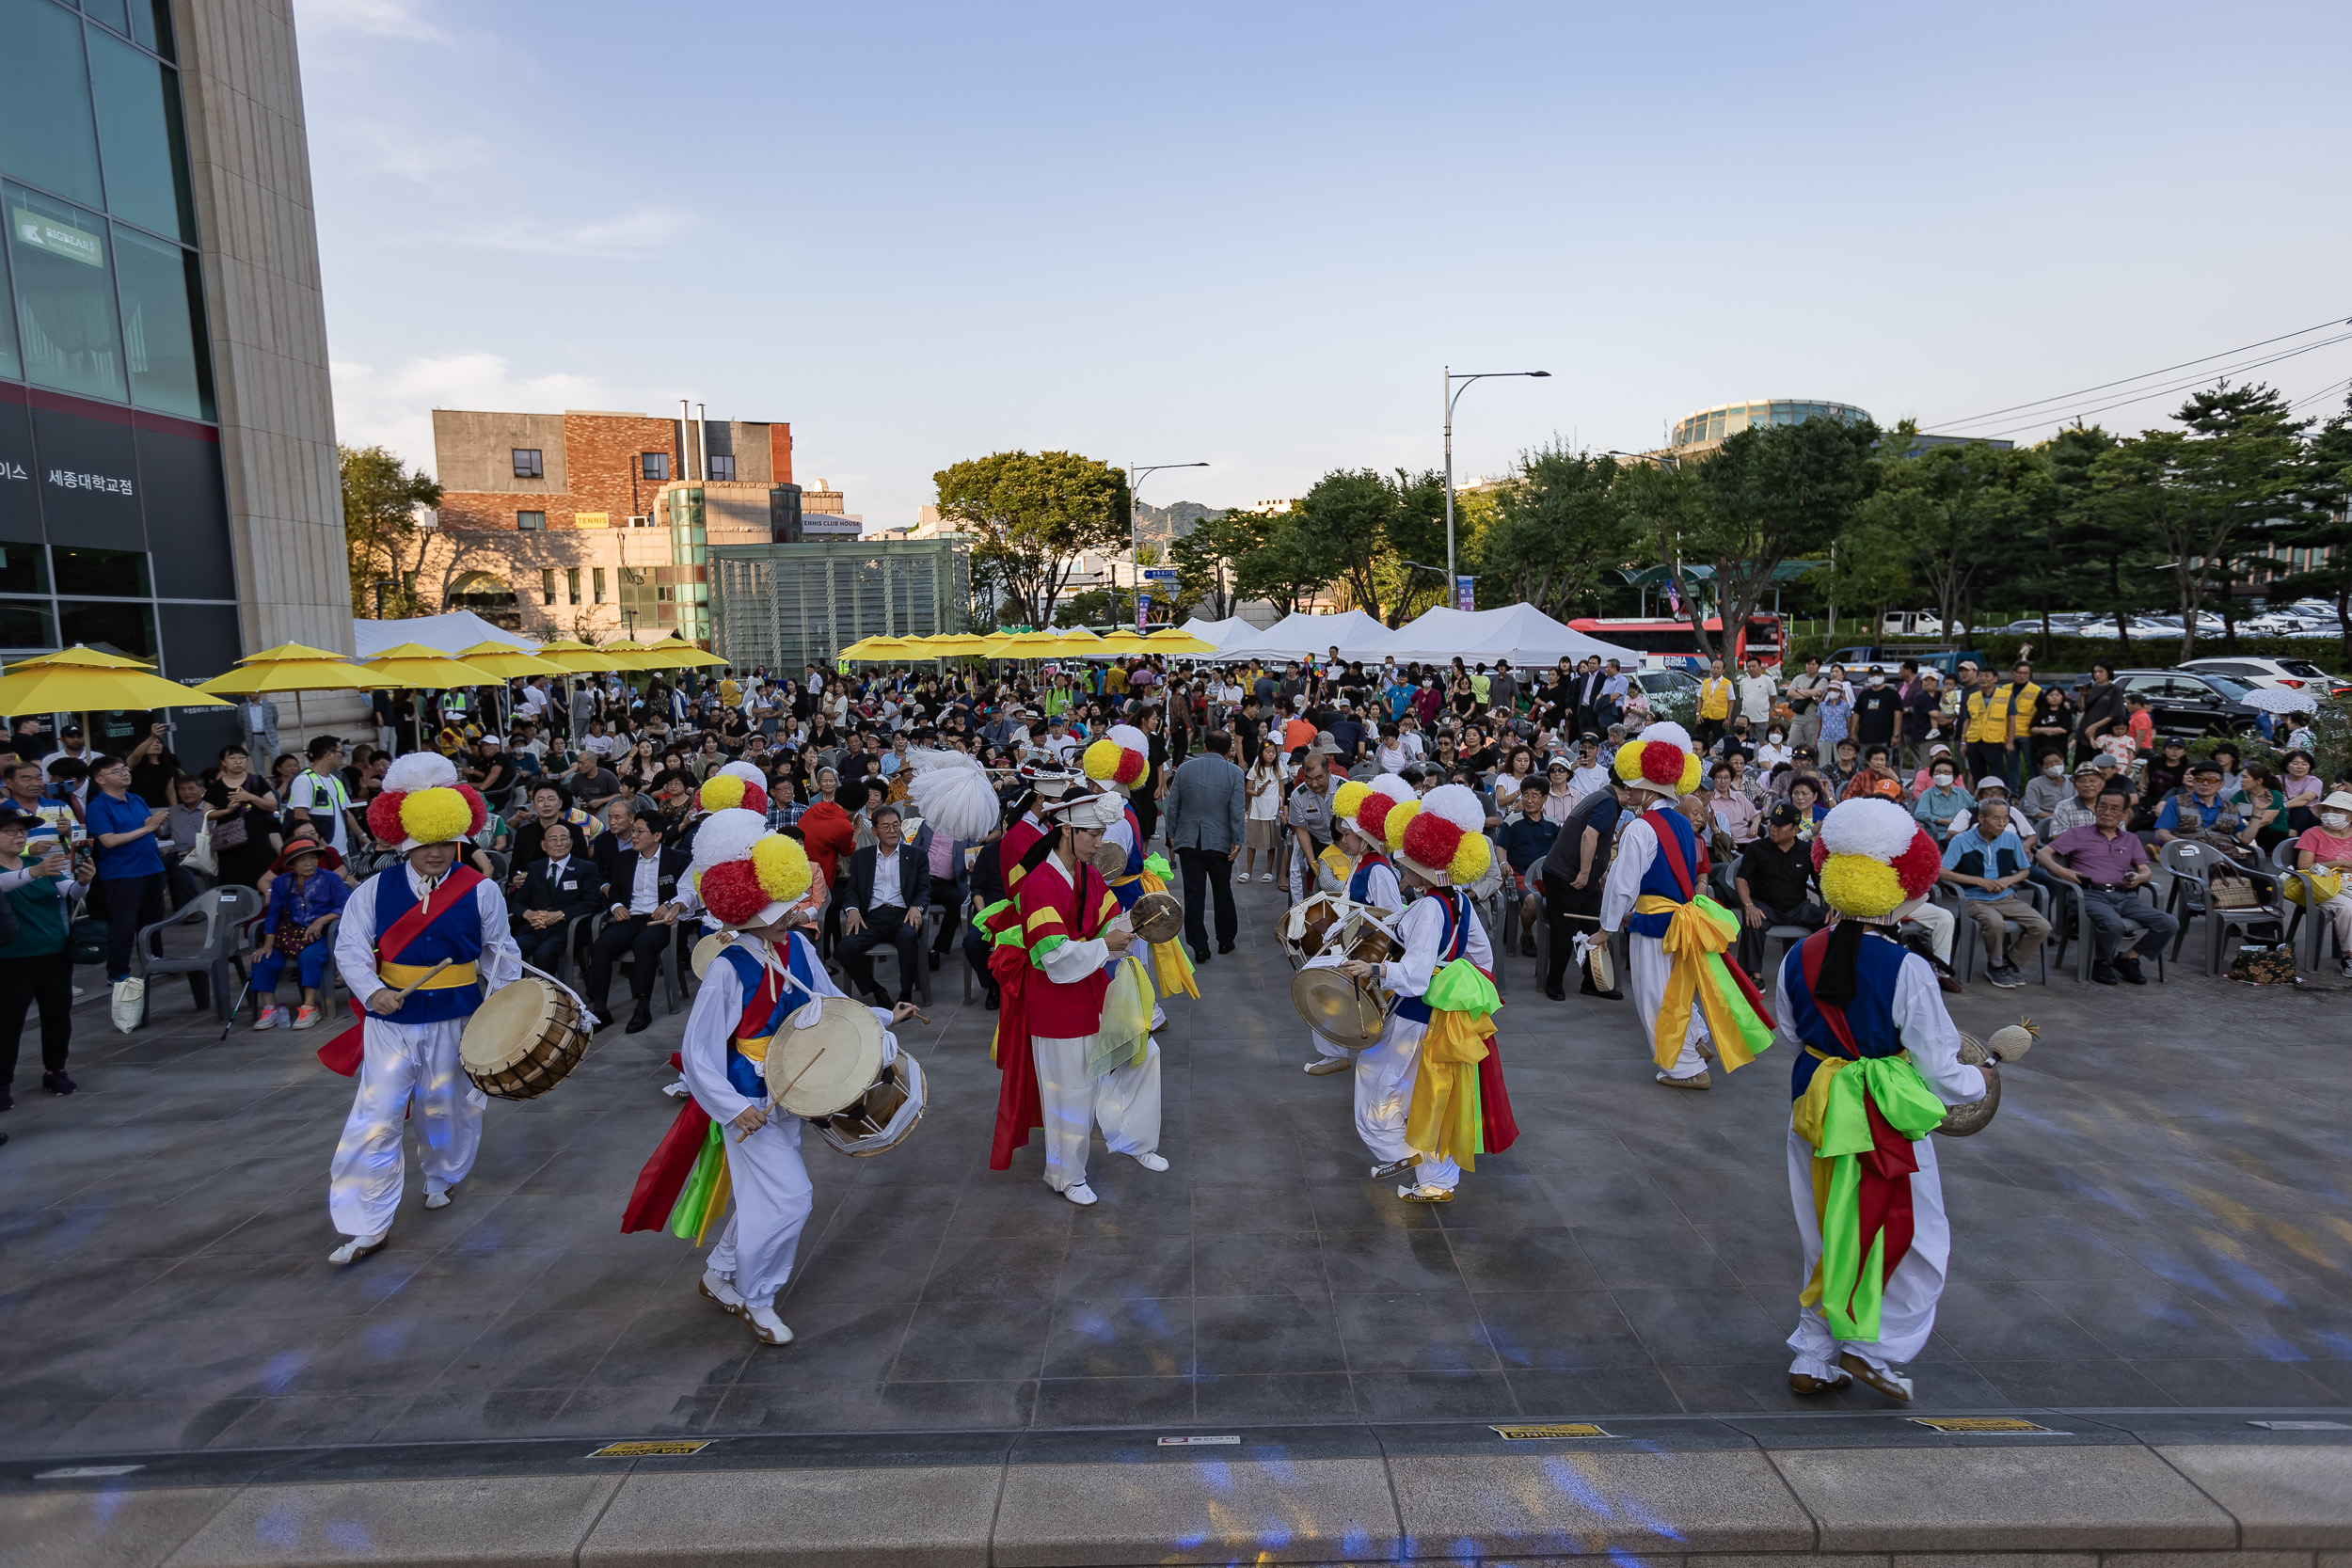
x=1968, y=940
x=922, y=977
x=2192, y=867
x=2085, y=938
x=595, y=926
x=224, y=912
x=2322, y=928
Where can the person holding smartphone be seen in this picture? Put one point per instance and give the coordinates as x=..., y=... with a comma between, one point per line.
x=122, y=828
x=37, y=901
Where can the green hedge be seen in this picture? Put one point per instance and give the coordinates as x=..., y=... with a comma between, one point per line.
x=2077, y=654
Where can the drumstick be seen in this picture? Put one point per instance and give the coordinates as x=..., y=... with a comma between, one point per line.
x=402, y=995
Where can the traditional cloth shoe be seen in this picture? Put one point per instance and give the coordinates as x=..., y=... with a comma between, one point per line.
x=441, y=1199
x=766, y=1326
x=716, y=1286
x=269, y=1018
x=1890, y=1383
x=358, y=1247
x=1426, y=1195
x=306, y=1018
x=1805, y=1383
x=677, y=1091
x=1323, y=1066
x=1696, y=1081
x=1152, y=1161
x=1079, y=1193
x=1394, y=1168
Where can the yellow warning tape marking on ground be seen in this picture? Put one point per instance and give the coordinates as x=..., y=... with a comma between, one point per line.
x=645, y=1450
x=1557, y=1429
x=1982, y=1423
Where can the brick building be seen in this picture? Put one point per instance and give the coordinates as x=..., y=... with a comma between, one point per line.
x=595, y=524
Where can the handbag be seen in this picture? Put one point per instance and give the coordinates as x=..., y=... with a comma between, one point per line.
x=2264, y=966
x=85, y=942
x=2227, y=888
x=2323, y=884
x=228, y=832
x=199, y=859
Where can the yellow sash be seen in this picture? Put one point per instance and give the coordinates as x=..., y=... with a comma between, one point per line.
x=1172, y=966
x=1443, y=1123
x=397, y=975
x=1690, y=940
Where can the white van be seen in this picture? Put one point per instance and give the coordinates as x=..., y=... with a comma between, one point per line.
x=1911, y=622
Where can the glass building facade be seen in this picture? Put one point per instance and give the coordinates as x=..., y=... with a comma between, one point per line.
x=1730, y=418
x=114, y=519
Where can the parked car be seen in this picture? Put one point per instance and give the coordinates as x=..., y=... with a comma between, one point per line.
x=2192, y=702
x=1911, y=622
x=2295, y=675
x=1943, y=661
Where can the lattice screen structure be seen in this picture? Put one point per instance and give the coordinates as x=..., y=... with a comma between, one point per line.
x=786, y=606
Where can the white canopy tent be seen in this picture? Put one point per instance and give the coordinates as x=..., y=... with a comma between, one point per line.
x=452, y=633
x=1221, y=634
x=1520, y=633
x=1297, y=636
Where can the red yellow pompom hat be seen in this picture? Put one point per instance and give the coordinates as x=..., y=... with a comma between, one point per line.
x=1872, y=858
x=423, y=804
x=1445, y=837
x=735, y=784
x=745, y=875
x=1122, y=758
x=1661, y=760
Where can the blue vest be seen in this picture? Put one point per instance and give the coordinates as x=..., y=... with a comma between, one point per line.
x=744, y=1075
x=453, y=933
x=1360, y=885
x=1660, y=878
x=1450, y=947
x=1869, y=1016
x=1127, y=890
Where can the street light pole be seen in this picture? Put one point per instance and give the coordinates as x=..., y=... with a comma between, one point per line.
x=1134, y=482
x=1452, y=396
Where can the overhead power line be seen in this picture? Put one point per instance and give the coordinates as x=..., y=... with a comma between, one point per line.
x=2145, y=375
x=2201, y=379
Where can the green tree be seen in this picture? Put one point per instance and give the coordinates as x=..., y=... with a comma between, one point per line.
x=1034, y=514
x=1274, y=563
x=1768, y=495
x=1354, y=524
x=2099, y=559
x=1959, y=507
x=1558, y=525
x=382, y=541
x=1091, y=608
x=2321, y=522
x=1204, y=560
x=1869, y=569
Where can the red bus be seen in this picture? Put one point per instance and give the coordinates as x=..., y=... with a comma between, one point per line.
x=1672, y=645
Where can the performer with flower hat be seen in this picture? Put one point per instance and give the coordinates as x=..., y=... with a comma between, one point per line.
x=1371, y=881
x=1879, y=1067
x=1689, y=995
x=1119, y=763
x=1064, y=1069
x=1430, y=1096
x=729, y=1141
x=419, y=940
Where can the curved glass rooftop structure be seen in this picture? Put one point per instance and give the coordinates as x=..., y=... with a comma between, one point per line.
x=1729, y=418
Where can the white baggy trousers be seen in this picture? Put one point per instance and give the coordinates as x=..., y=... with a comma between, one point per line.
x=1124, y=1102
x=1384, y=1099
x=401, y=1065
x=772, y=1200
x=1907, y=1310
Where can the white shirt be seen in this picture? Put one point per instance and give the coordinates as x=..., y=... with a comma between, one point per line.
x=1583, y=781
x=324, y=798
x=1756, y=697
x=886, y=889
x=644, y=888
x=1422, y=930
x=1928, y=1038
x=711, y=1023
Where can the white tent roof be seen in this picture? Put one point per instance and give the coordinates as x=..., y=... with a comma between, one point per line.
x=1520, y=633
x=1220, y=633
x=452, y=633
x=1298, y=634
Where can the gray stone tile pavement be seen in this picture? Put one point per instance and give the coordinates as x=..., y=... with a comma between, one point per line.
x=2161, y=1216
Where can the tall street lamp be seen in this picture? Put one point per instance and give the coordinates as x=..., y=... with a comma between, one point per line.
x=1134, y=482
x=1454, y=396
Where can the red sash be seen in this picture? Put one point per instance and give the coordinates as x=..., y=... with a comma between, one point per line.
x=343, y=1052
x=1670, y=851
x=1882, y=1198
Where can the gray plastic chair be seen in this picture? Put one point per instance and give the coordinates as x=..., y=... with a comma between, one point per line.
x=216, y=962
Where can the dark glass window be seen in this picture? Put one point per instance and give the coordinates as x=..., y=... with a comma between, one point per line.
x=163, y=302
x=24, y=569
x=65, y=307
x=26, y=624
x=130, y=628
x=546, y=585
x=527, y=465
x=653, y=465
x=140, y=139
x=572, y=583
x=110, y=12
x=105, y=574
x=530, y=522
x=722, y=464
x=11, y=363
x=150, y=24
x=47, y=135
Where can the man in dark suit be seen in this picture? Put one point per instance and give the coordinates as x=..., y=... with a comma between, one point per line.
x=883, y=899
x=646, y=901
x=1205, y=827
x=556, y=891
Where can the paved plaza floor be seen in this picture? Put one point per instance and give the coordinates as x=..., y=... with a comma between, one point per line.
x=2161, y=1216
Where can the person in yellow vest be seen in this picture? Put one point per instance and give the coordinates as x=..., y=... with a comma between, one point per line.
x=1993, y=718
x=1714, y=709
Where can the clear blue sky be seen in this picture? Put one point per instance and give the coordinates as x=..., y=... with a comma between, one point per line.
x=1253, y=233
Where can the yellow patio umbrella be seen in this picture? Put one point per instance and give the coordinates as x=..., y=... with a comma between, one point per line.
x=81, y=680
x=1177, y=642
x=293, y=667
x=413, y=664
x=878, y=649
x=629, y=654
x=1077, y=640
x=578, y=658
x=1023, y=644
x=1121, y=643
x=675, y=652
x=509, y=662
x=957, y=645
